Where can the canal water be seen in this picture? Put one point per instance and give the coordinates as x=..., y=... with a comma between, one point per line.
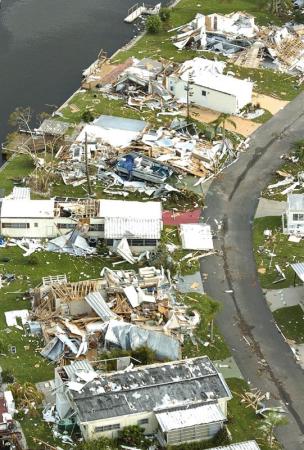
x=45, y=45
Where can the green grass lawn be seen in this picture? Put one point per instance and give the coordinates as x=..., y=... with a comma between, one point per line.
x=264, y=118
x=98, y=105
x=289, y=167
x=206, y=307
x=286, y=253
x=291, y=322
x=18, y=167
x=242, y=422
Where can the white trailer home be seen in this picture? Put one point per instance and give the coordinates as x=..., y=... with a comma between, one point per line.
x=203, y=81
x=293, y=218
x=27, y=218
x=140, y=223
x=180, y=401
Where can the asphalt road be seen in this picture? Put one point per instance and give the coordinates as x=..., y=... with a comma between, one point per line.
x=245, y=320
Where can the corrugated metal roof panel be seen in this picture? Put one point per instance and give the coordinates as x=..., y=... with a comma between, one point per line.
x=299, y=270
x=119, y=227
x=248, y=445
x=97, y=303
x=172, y=420
x=21, y=193
x=76, y=366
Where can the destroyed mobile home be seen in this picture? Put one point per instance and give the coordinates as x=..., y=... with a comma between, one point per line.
x=180, y=401
x=148, y=162
x=237, y=37
x=123, y=309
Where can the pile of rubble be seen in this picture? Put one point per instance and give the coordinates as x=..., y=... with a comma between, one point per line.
x=145, y=161
x=122, y=309
x=237, y=37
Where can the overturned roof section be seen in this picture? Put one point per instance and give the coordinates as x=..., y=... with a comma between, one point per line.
x=131, y=219
x=98, y=304
x=115, y=131
x=299, y=270
x=196, y=236
x=248, y=445
x=72, y=369
x=181, y=418
x=295, y=202
x=54, y=127
x=120, y=123
x=130, y=337
x=157, y=387
x=28, y=209
x=20, y=193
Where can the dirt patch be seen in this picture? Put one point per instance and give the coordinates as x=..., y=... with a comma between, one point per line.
x=243, y=126
x=272, y=104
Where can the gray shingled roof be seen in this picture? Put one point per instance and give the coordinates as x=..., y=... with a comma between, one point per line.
x=156, y=387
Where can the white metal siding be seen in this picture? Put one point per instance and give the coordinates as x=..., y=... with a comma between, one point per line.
x=194, y=433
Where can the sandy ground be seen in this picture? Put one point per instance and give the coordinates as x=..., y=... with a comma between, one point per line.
x=271, y=104
x=243, y=126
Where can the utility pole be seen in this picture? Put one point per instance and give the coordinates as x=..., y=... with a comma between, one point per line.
x=87, y=165
x=189, y=93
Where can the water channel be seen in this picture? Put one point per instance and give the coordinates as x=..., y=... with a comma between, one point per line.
x=45, y=45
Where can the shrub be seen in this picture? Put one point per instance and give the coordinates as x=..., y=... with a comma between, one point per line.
x=144, y=354
x=133, y=436
x=103, y=443
x=87, y=116
x=7, y=376
x=32, y=260
x=164, y=14
x=153, y=24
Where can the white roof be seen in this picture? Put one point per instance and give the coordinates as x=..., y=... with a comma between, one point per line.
x=131, y=219
x=248, y=445
x=209, y=77
x=28, y=209
x=128, y=209
x=172, y=420
x=296, y=202
x=20, y=193
x=115, y=131
x=196, y=236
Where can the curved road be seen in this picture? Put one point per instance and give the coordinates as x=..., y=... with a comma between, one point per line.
x=245, y=319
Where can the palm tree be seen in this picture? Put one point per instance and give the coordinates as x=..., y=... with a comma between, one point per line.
x=221, y=122
x=272, y=420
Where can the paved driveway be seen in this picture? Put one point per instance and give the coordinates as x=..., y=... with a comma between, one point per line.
x=245, y=320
